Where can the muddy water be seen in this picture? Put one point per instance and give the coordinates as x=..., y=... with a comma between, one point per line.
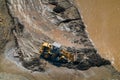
x=103, y=20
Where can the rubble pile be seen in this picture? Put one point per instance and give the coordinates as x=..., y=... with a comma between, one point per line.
x=34, y=65
x=86, y=58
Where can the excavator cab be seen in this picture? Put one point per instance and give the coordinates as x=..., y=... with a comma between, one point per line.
x=45, y=50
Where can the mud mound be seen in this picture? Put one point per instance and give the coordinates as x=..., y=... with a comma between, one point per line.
x=34, y=65
x=87, y=58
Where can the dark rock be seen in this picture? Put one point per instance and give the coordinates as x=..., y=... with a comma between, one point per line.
x=34, y=65
x=83, y=65
x=69, y=20
x=65, y=4
x=59, y=9
x=53, y=2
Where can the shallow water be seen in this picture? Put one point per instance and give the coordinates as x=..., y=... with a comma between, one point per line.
x=103, y=20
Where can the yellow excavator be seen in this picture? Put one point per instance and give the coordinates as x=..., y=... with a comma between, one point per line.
x=55, y=53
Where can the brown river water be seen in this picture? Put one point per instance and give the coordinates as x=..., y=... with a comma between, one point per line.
x=102, y=18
